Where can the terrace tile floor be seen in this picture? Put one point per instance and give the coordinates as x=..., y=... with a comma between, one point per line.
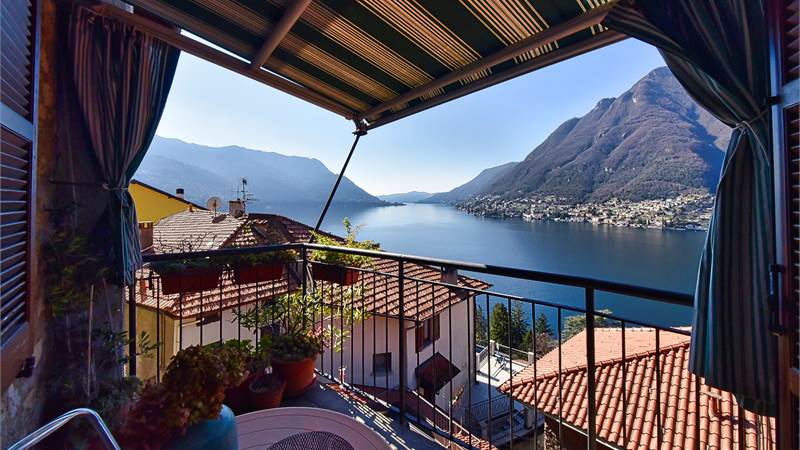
x=328, y=396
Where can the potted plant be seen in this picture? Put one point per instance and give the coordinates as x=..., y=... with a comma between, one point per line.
x=188, y=275
x=301, y=335
x=185, y=411
x=266, y=391
x=256, y=267
x=339, y=267
x=237, y=396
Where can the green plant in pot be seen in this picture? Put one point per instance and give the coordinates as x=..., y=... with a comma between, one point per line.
x=257, y=267
x=185, y=410
x=265, y=388
x=303, y=324
x=188, y=275
x=339, y=267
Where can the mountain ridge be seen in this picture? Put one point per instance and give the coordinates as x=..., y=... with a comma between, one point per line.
x=273, y=178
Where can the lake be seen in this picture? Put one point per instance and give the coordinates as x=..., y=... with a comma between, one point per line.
x=664, y=259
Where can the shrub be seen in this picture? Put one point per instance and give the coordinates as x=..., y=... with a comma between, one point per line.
x=340, y=258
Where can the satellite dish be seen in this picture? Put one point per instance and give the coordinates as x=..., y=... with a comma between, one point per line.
x=214, y=203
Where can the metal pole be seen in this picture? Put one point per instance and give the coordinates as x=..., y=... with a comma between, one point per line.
x=359, y=132
x=590, y=392
x=401, y=272
x=132, y=329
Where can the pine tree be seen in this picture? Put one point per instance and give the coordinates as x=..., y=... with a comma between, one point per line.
x=544, y=337
x=480, y=326
x=499, y=324
x=519, y=325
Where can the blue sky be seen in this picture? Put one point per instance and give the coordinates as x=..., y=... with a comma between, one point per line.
x=433, y=151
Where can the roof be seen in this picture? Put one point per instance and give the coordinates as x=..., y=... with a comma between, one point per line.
x=436, y=371
x=380, y=60
x=719, y=412
x=167, y=194
x=206, y=230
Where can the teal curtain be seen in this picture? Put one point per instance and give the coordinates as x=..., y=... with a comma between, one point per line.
x=122, y=77
x=717, y=50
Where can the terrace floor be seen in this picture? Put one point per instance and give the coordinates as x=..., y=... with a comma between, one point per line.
x=327, y=395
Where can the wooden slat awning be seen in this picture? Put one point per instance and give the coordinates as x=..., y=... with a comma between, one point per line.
x=375, y=61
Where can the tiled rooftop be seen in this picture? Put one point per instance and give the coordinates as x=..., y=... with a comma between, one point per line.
x=206, y=230
x=719, y=421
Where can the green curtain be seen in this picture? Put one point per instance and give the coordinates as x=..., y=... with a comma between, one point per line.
x=122, y=77
x=717, y=50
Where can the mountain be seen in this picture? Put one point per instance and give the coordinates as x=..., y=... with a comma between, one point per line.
x=405, y=197
x=475, y=186
x=216, y=171
x=651, y=142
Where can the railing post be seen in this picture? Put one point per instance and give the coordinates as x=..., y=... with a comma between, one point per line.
x=403, y=361
x=132, y=329
x=591, y=385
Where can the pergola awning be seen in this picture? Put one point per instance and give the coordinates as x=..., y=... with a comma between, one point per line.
x=375, y=61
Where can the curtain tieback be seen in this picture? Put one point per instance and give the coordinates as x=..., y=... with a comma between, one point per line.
x=748, y=125
x=116, y=189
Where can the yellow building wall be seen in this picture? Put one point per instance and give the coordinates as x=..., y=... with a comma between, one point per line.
x=152, y=206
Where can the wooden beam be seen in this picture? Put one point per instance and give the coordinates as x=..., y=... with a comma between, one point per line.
x=550, y=35
x=601, y=40
x=220, y=58
x=279, y=31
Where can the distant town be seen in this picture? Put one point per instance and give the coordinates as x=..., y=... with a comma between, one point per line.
x=684, y=212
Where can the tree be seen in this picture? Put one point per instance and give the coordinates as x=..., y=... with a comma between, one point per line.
x=481, y=330
x=575, y=324
x=519, y=326
x=544, y=337
x=499, y=324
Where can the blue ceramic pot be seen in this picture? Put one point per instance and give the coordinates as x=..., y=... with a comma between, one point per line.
x=217, y=434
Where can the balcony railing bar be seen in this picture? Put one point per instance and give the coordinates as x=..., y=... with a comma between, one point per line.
x=624, y=391
x=590, y=364
x=524, y=274
x=535, y=376
x=659, y=428
x=489, y=372
x=560, y=385
x=510, y=380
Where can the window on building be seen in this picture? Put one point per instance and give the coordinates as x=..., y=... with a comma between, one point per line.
x=427, y=332
x=382, y=363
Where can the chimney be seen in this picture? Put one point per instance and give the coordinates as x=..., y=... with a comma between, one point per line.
x=236, y=208
x=449, y=275
x=179, y=192
x=146, y=236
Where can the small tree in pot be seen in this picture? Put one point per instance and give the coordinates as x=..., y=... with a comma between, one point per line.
x=188, y=275
x=339, y=267
x=304, y=330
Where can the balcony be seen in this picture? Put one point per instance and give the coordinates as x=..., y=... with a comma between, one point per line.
x=415, y=367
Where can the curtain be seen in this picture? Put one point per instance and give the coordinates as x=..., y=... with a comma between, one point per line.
x=717, y=50
x=122, y=77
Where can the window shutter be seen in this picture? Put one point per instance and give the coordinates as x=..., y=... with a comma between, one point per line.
x=435, y=328
x=419, y=337
x=17, y=168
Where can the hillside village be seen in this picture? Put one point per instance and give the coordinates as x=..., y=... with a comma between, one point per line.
x=684, y=212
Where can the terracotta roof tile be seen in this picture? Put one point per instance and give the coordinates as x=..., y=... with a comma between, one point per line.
x=719, y=417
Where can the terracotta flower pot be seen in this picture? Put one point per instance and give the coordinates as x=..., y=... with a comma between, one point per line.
x=335, y=274
x=190, y=280
x=266, y=392
x=299, y=375
x=238, y=397
x=258, y=273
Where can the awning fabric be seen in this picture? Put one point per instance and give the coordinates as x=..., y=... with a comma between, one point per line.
x=436, y=372
x=365, y=53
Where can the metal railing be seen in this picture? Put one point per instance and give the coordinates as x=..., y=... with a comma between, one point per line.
x=54, y=425
x=419, y=322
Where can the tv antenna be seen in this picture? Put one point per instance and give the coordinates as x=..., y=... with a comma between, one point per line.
x=243, y=195
x=214, y=203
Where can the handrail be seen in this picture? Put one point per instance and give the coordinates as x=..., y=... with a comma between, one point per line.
x=49, y=428
x=660, y=295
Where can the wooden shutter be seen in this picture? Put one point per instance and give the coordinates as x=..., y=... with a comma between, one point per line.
x=785, y=84
x=18, y=61
x=436, y=331
x=419, y=337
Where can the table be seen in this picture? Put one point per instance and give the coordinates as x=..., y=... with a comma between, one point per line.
x=262, y=429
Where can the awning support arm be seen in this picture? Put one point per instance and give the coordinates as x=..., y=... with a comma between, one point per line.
x=361, y=130
x=281, y=29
